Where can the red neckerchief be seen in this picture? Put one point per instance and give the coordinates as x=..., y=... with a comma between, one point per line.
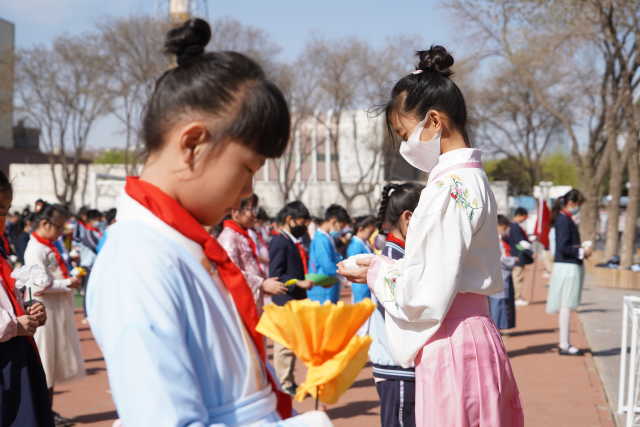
x=259, y=237
x=506, y=247
x=229, y=223
x=393, y=239
x=274, y=232
x=48, y=243
x=567, y=213
x=173, y=214
x=90, y=227
x=9, y=285
x=302, y=251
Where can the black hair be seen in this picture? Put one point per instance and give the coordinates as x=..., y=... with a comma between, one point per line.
x=521, y=212
x=5, y=184
x=40, y=201
x=295, y=210
x=252, y=200
x=503, y=221
x=49, y=212
x=228, y=85
x=93, y=214
x=337, y=212
x=559, y=204
x=397, y=198
x=110, y=215
x=363, y=222
x=429, y=88
x=262, y=215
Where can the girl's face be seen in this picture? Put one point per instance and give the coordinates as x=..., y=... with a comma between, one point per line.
x=403, y=223
x=207, y=178
x=52, y=229
x=246, y=216
x=6, y=198
x=404, y=125
x=365, y=233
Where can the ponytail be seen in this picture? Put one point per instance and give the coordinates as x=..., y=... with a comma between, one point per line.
x=397, y=198
x=559, y=204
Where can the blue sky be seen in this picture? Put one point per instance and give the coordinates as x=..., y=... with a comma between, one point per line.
x=290, y=23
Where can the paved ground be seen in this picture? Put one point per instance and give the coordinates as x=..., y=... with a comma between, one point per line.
x=556, y=391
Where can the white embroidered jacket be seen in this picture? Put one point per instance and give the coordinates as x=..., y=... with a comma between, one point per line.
x=451, y=247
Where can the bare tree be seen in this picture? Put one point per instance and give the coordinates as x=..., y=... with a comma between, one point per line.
x=64, y=90
x=552, y=45
x=131, y=48
x=511, y=123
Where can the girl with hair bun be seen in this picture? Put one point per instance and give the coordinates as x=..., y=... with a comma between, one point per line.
x=436, y=311
x=567, y=277
x=173, y=315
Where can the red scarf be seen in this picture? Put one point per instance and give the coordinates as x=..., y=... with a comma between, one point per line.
x=506, y=247
x=173, y=214
x=243, y=231
x=393, y=239
x=567, y=213
x=90, y=227
x=304, y=256
x=48, y=243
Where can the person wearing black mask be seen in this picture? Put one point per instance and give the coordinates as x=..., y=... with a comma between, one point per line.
x=289, y=260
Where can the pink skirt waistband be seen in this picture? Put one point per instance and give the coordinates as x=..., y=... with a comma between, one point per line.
x=468, y=305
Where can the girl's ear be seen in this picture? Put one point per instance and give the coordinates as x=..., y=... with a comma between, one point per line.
x=191, y=141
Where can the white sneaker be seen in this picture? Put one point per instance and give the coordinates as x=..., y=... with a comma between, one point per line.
x=521, y=302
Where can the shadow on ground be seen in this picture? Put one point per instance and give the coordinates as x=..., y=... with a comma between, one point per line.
x=353, y=409
x=94, y=418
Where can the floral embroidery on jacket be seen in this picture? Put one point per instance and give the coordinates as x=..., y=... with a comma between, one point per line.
x=460, y=194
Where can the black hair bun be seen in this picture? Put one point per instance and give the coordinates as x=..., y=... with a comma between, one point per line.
x=188, y=41
x=436, y=59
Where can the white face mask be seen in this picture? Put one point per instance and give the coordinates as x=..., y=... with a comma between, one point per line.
x=421, y=155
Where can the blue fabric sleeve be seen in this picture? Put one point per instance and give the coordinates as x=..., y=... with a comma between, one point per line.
x=324, y=256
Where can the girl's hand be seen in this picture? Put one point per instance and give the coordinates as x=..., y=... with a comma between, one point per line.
x=75, y=283
x=273, y=286
x=26, y=325
x=357, y=275
x=305, y=284
x=38, y=312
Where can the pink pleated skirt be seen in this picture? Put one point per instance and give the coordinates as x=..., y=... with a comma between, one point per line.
x=463, y=373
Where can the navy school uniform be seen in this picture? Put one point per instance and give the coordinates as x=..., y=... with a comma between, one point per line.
x=285, y=263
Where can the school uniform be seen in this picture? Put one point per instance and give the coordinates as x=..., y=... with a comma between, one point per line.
x=567, y=277
x=358, y=246
x=286, y=262
x=502, y=304
x=24, y=398
x=168, y=294
x=324, y=259
x=395, y=385
x=435, y=300
x=514, y=237
x=243, y=251
x=58, y=340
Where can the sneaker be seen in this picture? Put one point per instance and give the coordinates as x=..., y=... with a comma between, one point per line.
x=61, y=421
x=521, y=302
x=570, y=351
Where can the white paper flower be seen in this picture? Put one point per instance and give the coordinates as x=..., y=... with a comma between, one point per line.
x=33, y=277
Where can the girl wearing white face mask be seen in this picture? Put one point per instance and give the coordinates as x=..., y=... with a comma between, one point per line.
x=436, y=311
x=565, y=288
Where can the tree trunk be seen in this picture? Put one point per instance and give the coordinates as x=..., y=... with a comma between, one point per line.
x=613, y=210
x=629, y=234
x=589, y=210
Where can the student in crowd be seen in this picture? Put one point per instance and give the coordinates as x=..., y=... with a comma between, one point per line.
x=24, y=400
x=243, y=251
x=324, y=256
x=289, y=260
x=174, y=316
x=435, y=298
x=520, y=249
x=57, y=340
x=359, y=244
x=567, y=277
x=395, y=384
x=110, y=219
x=502, y=304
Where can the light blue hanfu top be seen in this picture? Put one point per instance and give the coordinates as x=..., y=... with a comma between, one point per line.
x=176, y=351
